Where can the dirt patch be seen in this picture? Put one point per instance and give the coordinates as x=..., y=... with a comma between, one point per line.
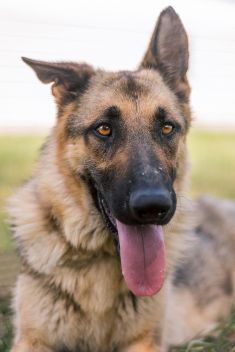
x=9, y=268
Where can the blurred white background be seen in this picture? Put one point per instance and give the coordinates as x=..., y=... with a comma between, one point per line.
x=111, y=34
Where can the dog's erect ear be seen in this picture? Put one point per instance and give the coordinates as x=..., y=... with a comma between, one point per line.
x=69, y=79
x=168, y=48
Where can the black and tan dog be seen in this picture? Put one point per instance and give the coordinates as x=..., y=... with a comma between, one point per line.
x=102, y=222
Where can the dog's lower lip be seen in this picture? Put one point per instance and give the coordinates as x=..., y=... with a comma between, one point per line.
x=108, y=218
x=108, y=213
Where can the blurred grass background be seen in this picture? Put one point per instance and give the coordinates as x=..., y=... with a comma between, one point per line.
x=212, y=171
x=17, y=156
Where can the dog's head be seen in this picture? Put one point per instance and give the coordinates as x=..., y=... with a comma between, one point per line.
x=122, y=135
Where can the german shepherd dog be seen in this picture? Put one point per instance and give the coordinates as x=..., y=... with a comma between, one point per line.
x=103, y=221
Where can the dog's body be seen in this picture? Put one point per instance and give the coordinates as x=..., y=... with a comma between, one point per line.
x=202, y=289
x=110, y=172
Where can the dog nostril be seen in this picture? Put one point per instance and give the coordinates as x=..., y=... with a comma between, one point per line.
x=161, y=214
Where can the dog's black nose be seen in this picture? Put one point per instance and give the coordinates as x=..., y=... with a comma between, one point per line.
x=151, y=205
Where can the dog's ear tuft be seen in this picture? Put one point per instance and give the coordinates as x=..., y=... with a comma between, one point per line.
x=168, y=48
x=69, y=79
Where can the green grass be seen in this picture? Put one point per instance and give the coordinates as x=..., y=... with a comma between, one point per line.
x=222, y=339
x=213, y=163
x=213, y=171
x=17, y=154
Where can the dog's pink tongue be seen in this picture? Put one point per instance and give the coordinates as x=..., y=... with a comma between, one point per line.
x=142, y=257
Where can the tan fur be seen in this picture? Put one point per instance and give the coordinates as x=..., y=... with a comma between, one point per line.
x=145, y=345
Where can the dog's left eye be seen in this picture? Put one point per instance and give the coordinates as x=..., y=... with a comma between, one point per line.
x=104, y=130
x=167, y=129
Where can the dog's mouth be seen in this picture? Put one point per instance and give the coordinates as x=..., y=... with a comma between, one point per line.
x=141, y=250
x=140, y=247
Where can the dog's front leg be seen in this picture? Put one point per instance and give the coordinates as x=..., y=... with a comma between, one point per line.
x=145, y=345
x=30, y=345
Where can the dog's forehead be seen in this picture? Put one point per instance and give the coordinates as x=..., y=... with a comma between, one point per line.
x=136, y=84
x=133, y=92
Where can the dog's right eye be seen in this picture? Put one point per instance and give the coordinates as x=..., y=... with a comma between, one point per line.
x=104, y=130
x=167, y=129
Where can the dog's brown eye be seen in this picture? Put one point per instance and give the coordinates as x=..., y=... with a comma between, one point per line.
x=104, y=130
x=167, y=129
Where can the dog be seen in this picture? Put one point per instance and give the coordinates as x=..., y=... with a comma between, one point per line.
x=101, y=225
